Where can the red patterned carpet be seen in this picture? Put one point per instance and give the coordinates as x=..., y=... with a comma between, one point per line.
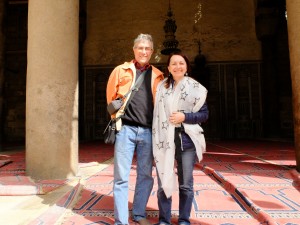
x=237, y=183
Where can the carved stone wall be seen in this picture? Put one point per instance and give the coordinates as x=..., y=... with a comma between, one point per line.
x=226, y=29
x=15, y=72
x=2, y=38
x=234, y=101
x=95, y=114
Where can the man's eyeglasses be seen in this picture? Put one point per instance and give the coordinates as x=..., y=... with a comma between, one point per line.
x=146, y=49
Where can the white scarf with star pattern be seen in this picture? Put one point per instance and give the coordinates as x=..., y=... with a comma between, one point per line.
x=187, y=96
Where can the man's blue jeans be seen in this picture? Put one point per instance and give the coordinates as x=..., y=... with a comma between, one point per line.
x=185, y=165
x=128, y=140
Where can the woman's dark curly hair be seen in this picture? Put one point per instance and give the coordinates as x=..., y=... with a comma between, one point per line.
x=170, y=79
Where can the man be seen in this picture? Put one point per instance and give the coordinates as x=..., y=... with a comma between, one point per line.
x=134, y=130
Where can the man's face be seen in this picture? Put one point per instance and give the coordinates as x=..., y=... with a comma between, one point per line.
x=142, y=52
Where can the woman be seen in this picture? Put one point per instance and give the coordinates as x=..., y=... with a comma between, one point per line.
x=177, y=135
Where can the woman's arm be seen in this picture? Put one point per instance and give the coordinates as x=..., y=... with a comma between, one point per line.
x=197, y=117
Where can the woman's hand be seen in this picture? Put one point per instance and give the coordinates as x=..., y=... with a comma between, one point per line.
x=177, y=117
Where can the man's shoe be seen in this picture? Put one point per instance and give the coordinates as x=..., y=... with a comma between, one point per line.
x=144, y=221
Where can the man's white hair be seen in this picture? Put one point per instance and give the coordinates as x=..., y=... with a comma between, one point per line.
x=143, y=37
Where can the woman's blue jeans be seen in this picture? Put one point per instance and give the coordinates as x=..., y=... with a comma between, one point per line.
x=185, y=165
x=132, y=139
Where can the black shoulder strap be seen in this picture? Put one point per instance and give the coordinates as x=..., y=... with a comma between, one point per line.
x=136, y=85
x=135, y=88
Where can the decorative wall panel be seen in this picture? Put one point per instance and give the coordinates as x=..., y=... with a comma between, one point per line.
x=234, y=101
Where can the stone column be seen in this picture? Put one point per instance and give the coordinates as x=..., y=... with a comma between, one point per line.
x=52, y=89
x=293, y=21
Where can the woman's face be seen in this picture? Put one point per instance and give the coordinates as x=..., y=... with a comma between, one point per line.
x=177, y=67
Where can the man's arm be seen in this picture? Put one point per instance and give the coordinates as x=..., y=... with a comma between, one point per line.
x=112, y=85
